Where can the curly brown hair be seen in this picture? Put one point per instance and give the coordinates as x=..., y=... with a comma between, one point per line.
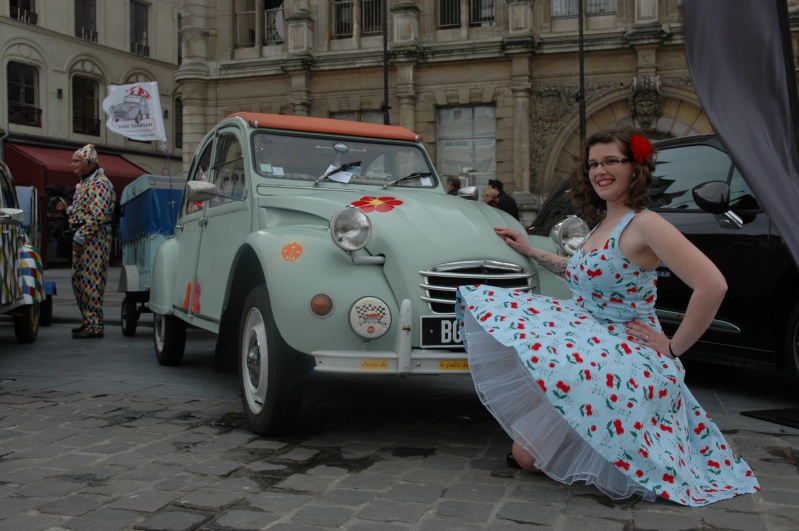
x=583, y=196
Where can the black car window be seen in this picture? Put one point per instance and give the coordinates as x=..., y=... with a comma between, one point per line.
x=741, y=196
x=680, y=169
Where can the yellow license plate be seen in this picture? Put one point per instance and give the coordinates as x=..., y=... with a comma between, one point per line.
x=453, y=365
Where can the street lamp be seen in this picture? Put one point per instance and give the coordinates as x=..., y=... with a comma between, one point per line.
x=581, y=58
x=385, y=62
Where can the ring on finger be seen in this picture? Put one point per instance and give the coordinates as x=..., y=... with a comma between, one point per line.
x=646, y=338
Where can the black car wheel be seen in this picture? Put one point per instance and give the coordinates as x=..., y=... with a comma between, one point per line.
x=169, y=334
x=792, y=346
x=46, y=311
x=26, y=323
x=270, y=371
x=130, y=316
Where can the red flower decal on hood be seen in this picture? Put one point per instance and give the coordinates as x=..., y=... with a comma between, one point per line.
x=376, y=204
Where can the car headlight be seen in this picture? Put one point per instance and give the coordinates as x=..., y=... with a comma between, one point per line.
x=569, y=234
x=350, y=229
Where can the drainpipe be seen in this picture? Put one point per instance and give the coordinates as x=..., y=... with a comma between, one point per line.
x=2, y=151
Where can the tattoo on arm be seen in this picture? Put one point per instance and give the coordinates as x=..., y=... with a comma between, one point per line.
x=556, y=265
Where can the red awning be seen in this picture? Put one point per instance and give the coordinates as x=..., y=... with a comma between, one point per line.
x=43, y=166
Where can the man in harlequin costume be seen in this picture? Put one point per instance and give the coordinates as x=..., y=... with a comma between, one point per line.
x=90, y=216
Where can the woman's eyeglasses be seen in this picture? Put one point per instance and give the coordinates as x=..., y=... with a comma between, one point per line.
x=593, y=165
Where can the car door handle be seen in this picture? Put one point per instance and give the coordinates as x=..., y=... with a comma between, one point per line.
x=203, y=222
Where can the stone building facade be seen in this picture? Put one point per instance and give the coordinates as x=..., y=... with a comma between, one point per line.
x=59, y=58
x=491, y=85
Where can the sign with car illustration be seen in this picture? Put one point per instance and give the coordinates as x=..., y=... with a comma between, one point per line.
x=310, y=244
x=135, y=111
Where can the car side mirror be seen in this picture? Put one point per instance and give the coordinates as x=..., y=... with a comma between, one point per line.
x=12, y=216
x=712, y=196
x=199, y=191
x=468, y=192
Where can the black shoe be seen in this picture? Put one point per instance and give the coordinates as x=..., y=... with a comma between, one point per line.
x=88, y=334
x=78, y=329
x=511, y=461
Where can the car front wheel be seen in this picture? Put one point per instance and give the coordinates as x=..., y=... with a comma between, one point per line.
x=26, y=323
x=270, y=371
x=169, y=333
x=792, y=346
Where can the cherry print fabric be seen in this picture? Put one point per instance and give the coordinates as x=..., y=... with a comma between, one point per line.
x=590, y=405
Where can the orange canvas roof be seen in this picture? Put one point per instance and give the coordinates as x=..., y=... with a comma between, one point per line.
x=327, y=125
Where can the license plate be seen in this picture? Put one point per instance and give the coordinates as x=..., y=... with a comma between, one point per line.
x=440, y=331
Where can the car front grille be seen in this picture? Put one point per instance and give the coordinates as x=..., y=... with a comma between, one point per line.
x=440, y=282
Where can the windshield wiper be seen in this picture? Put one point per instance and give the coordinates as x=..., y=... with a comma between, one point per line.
x=345, y=166
x=414, y=175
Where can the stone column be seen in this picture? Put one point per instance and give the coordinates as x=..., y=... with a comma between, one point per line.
x=193, y=76
x=406, y=94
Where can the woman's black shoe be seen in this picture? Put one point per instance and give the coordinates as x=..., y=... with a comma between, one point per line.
x=511, y=461
x=88, y=334
x=78, y=329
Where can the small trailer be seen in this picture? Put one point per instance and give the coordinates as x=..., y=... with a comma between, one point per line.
x=149, y=207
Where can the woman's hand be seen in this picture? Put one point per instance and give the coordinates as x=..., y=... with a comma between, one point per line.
x=643, y=334
x=516, y=240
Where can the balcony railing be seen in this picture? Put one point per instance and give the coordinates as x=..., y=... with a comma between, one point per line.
x=140, y=49
x=86, y=34
x=19, y=113
x=23, y=15
x=449, y=14
x=273, y=24
x=85, y=125
x=481, y=13
x=342, y=18
x=372, y=17
x=245, y=29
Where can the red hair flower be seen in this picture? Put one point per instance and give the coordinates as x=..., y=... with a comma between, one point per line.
x=641, y=148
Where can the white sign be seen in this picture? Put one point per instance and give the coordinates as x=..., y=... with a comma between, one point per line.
x=135, y=111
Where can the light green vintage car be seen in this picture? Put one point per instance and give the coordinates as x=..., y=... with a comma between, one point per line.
x=315, y=244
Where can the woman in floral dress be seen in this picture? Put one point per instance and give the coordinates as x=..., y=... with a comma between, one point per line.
x=590, y=388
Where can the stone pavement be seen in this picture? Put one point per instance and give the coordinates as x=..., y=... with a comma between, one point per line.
x=154, y=449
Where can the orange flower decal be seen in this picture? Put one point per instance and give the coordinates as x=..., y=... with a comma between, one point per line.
x=292, y=251
x=376, y=204
x=197, y=291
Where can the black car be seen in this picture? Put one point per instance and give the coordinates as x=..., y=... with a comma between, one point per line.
x=698, y=189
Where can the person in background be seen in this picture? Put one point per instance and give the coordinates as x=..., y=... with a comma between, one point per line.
x=504, y=201
x=490, y=196
x=590, y=388
x=453, y=185
x=90, y=216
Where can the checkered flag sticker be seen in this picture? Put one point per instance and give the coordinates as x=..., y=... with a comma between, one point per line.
x=371, y=314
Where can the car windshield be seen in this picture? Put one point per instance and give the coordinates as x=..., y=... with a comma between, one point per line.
x=299, y=158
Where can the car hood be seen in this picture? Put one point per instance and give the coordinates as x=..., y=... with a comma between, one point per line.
x=429, y=227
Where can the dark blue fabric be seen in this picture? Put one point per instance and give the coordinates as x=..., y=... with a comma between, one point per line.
x=150, y=212
x=741, y=62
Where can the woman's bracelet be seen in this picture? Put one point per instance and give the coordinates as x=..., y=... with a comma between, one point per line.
x=673, y=355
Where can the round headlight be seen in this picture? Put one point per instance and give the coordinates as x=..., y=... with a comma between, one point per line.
x=569, y=234
x=350, y=229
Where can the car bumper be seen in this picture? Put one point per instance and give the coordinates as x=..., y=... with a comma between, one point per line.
x=402, y=360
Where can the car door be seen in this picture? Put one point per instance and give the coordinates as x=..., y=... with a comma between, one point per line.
x=227, y=224
x=187, y=233
x=740, y=252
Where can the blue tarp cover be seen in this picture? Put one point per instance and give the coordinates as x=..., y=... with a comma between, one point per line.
x=150, y=207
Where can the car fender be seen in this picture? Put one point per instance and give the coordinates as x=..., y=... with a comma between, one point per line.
x=162, y=289
x=31, y=279
x=300, y=262
x=128, y=279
